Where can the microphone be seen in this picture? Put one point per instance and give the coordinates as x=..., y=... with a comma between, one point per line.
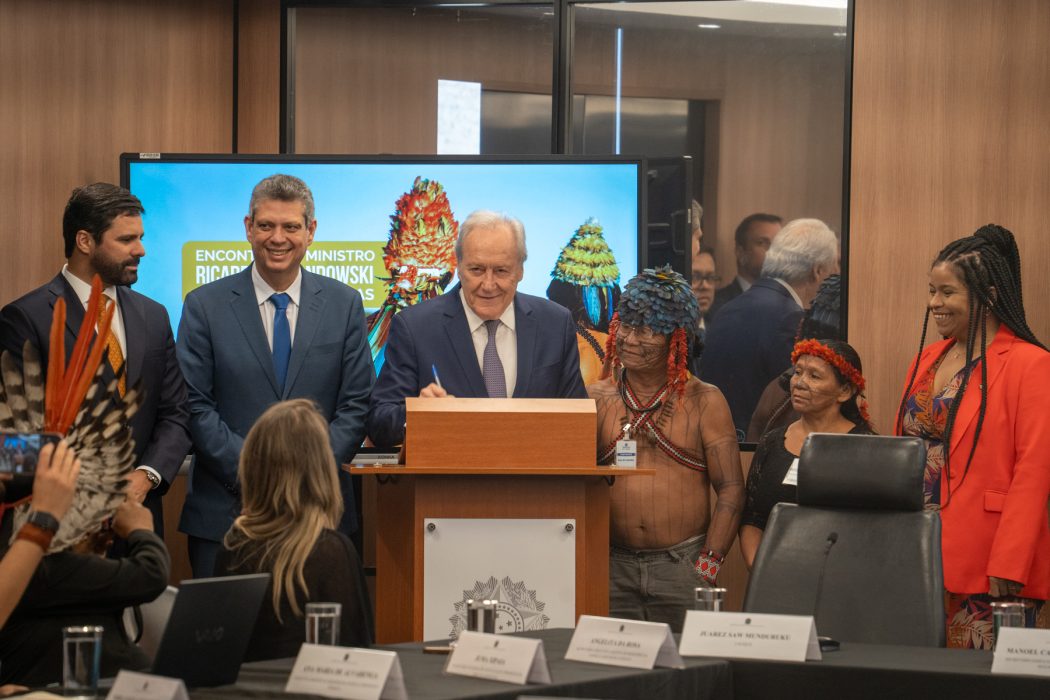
x=833, y=537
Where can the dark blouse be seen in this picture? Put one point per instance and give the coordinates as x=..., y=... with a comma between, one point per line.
x=765, y=479
x=333, y=574
x=81, y=589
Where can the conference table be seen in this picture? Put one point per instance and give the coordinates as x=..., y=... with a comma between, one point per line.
x=855, y=671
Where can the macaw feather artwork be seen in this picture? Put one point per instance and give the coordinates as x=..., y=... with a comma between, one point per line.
x=585, y=280
x=76, y=401
x=420, y=254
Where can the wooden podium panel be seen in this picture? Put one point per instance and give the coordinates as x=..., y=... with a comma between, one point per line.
x=406, y=497
x=509, y=433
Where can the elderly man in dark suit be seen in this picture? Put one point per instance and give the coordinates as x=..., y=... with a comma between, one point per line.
x=102, y=229
x=482, y=339
x=750, y=339
x=272, y=332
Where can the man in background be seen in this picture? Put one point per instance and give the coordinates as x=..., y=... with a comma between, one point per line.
x=102, y=231
x=705, y=280
x=753, y=237
x=272, y=332
x=749, y=342
x=481, y=339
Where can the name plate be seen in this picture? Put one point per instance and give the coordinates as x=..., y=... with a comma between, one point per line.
x=129, y=685
x=750, y=636
x=497, y=657
x=1023, y=651
x=627, y=643
x=347, y=672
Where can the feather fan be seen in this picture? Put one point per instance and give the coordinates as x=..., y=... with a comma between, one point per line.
x=78, y=402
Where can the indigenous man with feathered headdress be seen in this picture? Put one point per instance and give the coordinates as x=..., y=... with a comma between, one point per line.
x=662, y=528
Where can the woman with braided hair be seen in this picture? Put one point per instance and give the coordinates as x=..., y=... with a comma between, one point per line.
x=979, y=400
x=826, y=393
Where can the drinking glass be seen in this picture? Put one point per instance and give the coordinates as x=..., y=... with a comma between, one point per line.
x=322, y=623
x=81, y=654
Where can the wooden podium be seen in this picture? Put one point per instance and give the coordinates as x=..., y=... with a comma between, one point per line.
x=489, y=458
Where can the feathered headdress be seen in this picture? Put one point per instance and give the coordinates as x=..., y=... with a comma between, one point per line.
x=420, y=255
x=660, y=299
x=77, y=402
x=586, y=277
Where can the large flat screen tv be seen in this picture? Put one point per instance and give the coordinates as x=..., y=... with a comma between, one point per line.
x=385, y=224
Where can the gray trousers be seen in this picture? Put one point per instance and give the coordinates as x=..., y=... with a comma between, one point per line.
x=655, y=585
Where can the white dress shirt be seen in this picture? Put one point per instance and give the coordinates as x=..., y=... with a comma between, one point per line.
x=83, y=292
x=792, y=292
x=506, y=341
x=264, y=291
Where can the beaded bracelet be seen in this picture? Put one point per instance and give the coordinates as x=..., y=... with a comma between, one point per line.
x=708, y=564
x=36, y=534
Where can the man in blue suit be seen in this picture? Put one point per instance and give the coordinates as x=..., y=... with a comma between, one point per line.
x=102, y=231
x=750, y=339
x=272, y=332
x=482, y=339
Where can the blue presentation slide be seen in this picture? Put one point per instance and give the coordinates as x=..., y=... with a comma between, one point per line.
x=195, y=211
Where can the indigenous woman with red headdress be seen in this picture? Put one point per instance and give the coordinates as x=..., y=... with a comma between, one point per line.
x=826, y=391
x=979, y=400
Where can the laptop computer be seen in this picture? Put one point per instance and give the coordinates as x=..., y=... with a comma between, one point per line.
x=209, y=629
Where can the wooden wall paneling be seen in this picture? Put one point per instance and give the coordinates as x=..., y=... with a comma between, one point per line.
x=366, y=79
x=259, y=76
x=950, y=132
x=176, y=542
x=83, y=82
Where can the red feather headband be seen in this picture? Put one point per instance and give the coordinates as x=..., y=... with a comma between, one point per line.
x=818, y=349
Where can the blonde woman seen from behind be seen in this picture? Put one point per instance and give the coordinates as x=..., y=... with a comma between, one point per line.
x=291, y=504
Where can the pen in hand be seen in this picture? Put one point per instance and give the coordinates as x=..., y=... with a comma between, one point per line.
x=437, y=379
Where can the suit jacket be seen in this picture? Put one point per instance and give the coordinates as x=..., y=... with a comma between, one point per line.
x=749, y=343
x=435, y=334
x=161, y=426
x=81, y=589
x=995, y=523
x=725, y=295
x=228, y=365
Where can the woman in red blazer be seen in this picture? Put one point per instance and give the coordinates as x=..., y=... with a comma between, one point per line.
x=980, y=399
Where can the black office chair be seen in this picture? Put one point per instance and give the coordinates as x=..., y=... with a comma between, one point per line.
x=858, y=551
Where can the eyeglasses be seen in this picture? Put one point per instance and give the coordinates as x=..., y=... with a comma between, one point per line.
x=713, y=279
x=644, y=333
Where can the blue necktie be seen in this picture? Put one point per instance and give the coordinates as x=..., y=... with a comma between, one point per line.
x=491, y=367
x=282, y=337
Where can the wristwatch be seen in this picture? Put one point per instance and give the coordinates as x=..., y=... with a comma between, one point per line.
x=44, y=521
x=154, y=479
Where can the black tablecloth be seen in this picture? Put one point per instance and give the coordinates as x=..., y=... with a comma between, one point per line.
x=862, y=671
x=858, y=671
x=703, y=679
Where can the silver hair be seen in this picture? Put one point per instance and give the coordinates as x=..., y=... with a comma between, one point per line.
x=801, y=246
x=697, y=214
x=284, y=188
x=483, y=218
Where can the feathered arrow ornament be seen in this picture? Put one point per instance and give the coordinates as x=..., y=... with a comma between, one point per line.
x=75, y=401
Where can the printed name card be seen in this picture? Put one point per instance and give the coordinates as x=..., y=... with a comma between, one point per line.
x=628, y=643
x=129, y=685
x=1024, y=651
x=750, y=636
x=498, y=657
x=347, y=672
